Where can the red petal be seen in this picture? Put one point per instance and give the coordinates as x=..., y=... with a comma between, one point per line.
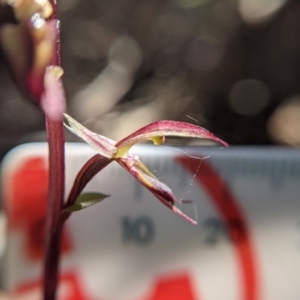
x=159, y=189
x=167, y=128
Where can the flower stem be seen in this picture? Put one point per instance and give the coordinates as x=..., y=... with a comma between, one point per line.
x=56, y=189
x=54, y=226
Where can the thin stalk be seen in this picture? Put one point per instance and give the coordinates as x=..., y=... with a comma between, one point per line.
x=56, y=188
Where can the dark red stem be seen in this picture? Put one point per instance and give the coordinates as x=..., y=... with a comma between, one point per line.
x=54, y=226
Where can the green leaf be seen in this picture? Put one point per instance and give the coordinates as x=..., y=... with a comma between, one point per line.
x=85, y=200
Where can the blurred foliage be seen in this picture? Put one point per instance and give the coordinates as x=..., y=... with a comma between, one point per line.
x=233, y=66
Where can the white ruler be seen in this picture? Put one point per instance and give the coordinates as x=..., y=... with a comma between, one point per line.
x=246, y=245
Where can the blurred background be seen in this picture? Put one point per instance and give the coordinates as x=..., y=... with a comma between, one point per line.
x=232, y=66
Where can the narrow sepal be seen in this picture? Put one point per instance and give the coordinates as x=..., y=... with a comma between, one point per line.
x=159, y=189
x=104, y=146
x=157, y=130
x=93, y=166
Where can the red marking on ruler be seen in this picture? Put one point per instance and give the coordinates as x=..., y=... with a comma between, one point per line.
x=26, y=200
x=173, y=287
x=69, y=289
x=229, y=210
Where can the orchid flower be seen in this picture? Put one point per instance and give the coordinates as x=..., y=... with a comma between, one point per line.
x=109, y=150
x=30, y=44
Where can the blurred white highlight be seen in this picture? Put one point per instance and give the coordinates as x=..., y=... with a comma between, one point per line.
x=256, y=11
x=113, y=82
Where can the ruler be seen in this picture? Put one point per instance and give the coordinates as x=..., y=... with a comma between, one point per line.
x=246, y=245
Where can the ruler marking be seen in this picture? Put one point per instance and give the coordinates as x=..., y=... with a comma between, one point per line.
x=140, y=230
x=230, y=212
